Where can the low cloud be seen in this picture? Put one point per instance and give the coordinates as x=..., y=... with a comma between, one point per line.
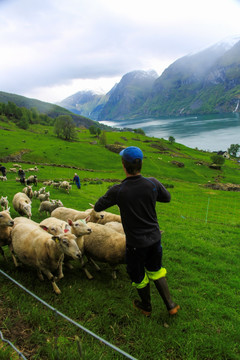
x=50, y=44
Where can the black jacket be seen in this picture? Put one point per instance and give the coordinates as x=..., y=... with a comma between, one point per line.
x=136, y=197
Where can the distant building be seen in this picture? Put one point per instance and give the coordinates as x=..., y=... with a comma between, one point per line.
x=225, y=154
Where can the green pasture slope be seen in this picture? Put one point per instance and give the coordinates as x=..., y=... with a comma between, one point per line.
x=200, y=252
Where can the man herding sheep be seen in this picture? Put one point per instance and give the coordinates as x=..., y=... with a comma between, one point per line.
x=76, y=179
x=3, y=170
x=136, y=197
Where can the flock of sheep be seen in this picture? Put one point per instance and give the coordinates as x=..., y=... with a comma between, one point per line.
x=64, y=235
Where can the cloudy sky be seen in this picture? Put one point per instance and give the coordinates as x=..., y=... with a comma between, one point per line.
x=50, y=49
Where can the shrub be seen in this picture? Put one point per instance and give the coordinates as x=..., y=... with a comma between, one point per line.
x=217, y=159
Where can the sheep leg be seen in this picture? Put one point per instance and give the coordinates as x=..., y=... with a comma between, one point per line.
x=95, y=264
x=13, y=256
x=2, y=252
x=40, y=275
x=53, y=281
x=68, y=265
x=55, y=287
x=87, y=273
x=114, y=274
x=60, y=271
x=89, y=276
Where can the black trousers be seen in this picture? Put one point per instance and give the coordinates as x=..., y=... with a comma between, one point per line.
x=139, y=259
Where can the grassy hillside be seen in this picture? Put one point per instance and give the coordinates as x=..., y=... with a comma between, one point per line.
x=49, y=109
x=200, y=251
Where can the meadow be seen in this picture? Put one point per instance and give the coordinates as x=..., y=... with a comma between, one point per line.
x=200, y=252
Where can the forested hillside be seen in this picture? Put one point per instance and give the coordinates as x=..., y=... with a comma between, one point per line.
x=42, y=111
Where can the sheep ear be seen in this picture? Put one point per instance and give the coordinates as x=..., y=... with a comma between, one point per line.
x=87, y=218
x=44, y=227
x=56, y=238
x=91, y=205
x=70, y=222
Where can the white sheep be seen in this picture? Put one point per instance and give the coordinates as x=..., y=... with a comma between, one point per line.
x=28, y=191
x=22, y=219
x=55, y=184
x=114, y=225
x=79, y=228
x=32, y=179
x=54, y=224
x=42, y=190
x=108, y=216
x=22, y=204
x=4, y=203
x=49, y=206
x=105, y=245
x=54, y=230
x=37, y=248
x=6, y=224
x=65, y=186
x=3, y=178
x=48, y=182
x=35, y=194
x=64, y=213
x=33, y=169
x=44, y=197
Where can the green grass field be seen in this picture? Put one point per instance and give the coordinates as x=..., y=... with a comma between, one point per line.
x=200, y=252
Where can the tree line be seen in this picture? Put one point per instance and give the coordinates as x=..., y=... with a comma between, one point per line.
x=22, y=116
x=64, y=126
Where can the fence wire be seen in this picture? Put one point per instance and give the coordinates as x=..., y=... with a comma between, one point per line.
x=58, y=313
x=14, y=347
x=221, y=208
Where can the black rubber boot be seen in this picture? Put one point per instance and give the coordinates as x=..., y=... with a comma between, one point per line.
x=162, y=287
x=145, y=304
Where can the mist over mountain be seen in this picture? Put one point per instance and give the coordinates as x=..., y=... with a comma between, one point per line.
x=130, y=93
x=201, y=83
x=85, y=103
x=206, y=82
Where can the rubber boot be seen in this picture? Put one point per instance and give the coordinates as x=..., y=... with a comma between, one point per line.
x=162, y=287
x=145, y=304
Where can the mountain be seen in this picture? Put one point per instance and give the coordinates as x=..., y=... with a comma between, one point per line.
x=131, y=92
x=204, y=82
x=49, y=109
x=85, y=103
x=123, y=99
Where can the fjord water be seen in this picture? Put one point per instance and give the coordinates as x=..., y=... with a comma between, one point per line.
x=205, y=132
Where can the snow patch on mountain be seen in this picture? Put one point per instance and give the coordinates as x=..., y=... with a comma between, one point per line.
x=226, y=44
